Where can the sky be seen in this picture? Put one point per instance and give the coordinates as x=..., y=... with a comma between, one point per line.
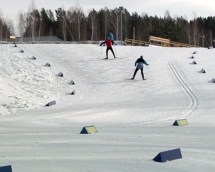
x=186, y=8
x=205, y=8
x=133, y=117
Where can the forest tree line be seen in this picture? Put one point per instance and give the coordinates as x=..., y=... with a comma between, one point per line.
x=74, y=25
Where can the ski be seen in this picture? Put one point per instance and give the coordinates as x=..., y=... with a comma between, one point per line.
x=112, y=58
x=137, y=80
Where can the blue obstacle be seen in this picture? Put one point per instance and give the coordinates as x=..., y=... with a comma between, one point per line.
x=51, y=103
x=202, y=71
x=73, y=92
x=60, y=74
x=168, y=155
x=72, y=82
x=7, y=168
x=48, y=65
x=194, y=62
x=180, y=122
x=89, y=130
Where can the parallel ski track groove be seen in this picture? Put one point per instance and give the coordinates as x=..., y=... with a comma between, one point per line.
x=193, y=98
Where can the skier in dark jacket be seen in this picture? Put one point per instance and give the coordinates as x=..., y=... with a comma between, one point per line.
x=109, y=47
x=139, y=65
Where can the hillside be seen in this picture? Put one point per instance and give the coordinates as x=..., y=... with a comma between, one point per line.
x=134, y=118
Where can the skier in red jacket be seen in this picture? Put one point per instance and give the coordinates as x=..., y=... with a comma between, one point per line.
x=108, y=43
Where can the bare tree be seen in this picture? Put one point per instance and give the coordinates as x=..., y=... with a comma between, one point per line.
x=31, y=8
x=50, y=31
x=40, y=27
x=195, y=31
x=79, y=16
x=75, y=17
x=52, y=20
x=21, y=24
x=211, y=37
x=11, y=26
x=32, y=27
x=146, y=26
x=93, y=19
x=114, y=22
x=62, y=21
x=106, y=20
x=202, y=35
x=167, y=15
x=5, y=30
x=187, y=30
x=1, y=24
x=70, y=21
x=126, y=23
x=64, y=27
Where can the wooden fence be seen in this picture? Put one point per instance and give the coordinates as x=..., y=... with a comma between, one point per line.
x=136, y=42
x=153, y=40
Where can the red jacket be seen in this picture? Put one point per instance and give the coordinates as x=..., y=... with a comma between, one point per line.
x=107, y=42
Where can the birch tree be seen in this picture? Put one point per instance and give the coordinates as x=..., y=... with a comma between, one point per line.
x=211, y=37
x=21, y=24
x=1, y=24
x=61, y=19
x=11, y=26
x=93, y=20
x=195, y=31
x=106, y=20
x=115, y=22
x=32, y=18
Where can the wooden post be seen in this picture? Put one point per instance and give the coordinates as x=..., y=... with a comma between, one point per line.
x=134, y=33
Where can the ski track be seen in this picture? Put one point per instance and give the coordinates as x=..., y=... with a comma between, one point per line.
x=193, y=98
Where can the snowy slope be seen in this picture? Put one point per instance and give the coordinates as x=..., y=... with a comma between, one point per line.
x=133, y=118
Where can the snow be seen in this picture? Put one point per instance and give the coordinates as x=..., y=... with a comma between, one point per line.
x=133, y=118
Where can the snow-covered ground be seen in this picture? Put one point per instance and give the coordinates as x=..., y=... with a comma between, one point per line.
x=133, y=118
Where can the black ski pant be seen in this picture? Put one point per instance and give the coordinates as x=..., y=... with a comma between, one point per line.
x=136, y=72
x=109, y=48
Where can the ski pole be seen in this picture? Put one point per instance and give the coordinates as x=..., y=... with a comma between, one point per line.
x=101, y=50
x=115, y=49
x=132, y=71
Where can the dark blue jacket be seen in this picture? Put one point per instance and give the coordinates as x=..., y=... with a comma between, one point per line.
x=139, y=63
